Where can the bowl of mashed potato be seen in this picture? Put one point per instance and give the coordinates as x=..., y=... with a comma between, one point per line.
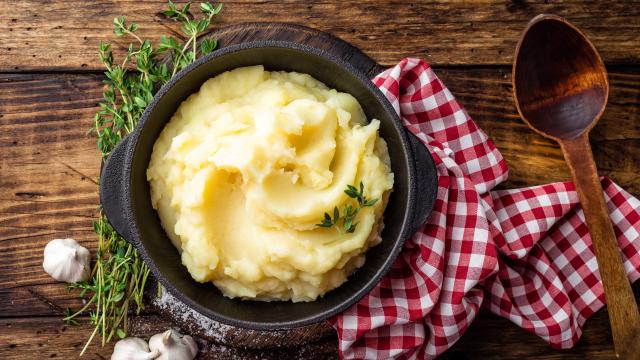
x=269, y=185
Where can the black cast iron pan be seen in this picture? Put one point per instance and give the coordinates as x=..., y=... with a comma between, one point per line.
x=125, y=197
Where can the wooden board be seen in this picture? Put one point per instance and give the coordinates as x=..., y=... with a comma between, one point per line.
x=194, y=323
x=47, y=337
x=47, y=165
x=489, y=338
x=63, y=35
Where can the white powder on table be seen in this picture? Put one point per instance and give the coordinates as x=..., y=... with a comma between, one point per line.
x=195, y=322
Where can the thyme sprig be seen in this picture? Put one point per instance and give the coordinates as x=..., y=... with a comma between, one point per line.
x=184, y=55
x=119, y=275
x=349, y=212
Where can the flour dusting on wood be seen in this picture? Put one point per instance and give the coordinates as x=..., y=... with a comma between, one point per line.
x=194, y=322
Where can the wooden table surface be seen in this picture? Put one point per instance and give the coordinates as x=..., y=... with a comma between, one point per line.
x=50, y=84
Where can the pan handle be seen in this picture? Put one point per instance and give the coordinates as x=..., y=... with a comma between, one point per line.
x=112, y=188
x=426, y=182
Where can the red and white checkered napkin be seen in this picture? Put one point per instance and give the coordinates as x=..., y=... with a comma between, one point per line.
x=524, y=254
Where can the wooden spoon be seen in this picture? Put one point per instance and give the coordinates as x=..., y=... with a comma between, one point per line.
x=561, y=88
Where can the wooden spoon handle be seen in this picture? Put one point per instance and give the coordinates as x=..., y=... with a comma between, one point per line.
x=622, y=308
x=633, y=348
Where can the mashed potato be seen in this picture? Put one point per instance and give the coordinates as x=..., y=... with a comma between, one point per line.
x=248, y=166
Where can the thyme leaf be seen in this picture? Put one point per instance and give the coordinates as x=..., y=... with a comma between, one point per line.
x=119, y=275
x=349, y=212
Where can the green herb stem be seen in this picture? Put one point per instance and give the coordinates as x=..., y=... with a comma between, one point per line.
x=119, y=275
x=349, y=212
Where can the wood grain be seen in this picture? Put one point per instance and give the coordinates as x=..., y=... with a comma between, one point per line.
x=47, y=164
x=63, y=35
x=621, y=304
x=242, y=33
x=491, y=337
x=19, y=339
x=49, y=337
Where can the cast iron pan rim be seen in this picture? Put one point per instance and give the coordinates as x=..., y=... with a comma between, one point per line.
x=356, y=296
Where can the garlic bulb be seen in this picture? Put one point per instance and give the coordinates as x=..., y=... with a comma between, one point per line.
x=173, y=346
x=133, y=349
x=66, y=260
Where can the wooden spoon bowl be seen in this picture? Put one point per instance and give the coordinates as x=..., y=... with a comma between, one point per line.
x=560, y=81
x=561, y=89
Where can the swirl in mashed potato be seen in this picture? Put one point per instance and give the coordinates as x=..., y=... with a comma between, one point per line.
x=248, y=166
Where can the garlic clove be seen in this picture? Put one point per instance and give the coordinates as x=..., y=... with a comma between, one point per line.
x=173, y=346
x=133, y=348
x=66, y=260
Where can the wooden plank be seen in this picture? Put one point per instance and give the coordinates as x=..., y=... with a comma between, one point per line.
x=490, y=337
x=64, y=35
x=46, y=337
x=534, y=160
x=46, y=187
x=48, y=167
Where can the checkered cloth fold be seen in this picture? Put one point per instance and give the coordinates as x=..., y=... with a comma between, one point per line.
x=524, y=254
